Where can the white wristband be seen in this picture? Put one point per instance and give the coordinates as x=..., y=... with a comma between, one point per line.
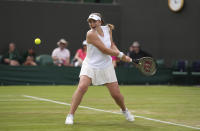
x=120, y=55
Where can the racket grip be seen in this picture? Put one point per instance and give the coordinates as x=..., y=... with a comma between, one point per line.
x=136, y=61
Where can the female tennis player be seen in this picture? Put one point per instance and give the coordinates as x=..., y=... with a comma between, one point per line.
x=97, y=67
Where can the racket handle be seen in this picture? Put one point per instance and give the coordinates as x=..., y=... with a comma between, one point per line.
x=135, y=61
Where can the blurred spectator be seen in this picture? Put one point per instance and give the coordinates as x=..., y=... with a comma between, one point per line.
x=29, y=57
x=114, y=61
x=130, y=50
x=135, y=52
x=182, y=65
x=196, y=66
x=61, y=55
x=80, y=54
x=12, y=57
x=30, y=61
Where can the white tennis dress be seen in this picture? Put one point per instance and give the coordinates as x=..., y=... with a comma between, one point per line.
x=98, y=66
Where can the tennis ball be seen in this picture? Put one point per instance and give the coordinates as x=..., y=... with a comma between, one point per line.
x=37, y=41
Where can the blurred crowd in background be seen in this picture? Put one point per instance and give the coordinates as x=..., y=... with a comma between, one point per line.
x=61, y=56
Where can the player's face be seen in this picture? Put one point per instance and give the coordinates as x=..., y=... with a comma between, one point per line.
x=93, y=23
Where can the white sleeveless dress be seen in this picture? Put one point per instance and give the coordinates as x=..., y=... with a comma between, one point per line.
x=98, y=66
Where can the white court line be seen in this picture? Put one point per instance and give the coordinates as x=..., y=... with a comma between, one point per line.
x=10, y=100
x=151, y=119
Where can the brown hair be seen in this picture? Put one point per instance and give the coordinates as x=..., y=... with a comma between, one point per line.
x=111, y=26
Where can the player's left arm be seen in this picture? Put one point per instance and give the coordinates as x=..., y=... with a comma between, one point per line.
x=113, y=46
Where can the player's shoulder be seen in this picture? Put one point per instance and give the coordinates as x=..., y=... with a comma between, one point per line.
x=91, y=33
x=105, y=27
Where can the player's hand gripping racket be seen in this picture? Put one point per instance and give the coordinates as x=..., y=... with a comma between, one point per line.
x=146, y=65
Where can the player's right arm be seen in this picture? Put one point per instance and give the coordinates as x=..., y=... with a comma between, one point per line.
x=92, y=38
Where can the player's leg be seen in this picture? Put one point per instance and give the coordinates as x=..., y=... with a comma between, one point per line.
x=115, y=93
x=84, y=82
x=77, y=97
x=119, y=99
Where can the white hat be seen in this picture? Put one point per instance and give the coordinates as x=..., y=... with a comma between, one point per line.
x=84, y=42
x=94, y=17
x=62, y=41
x=136, y=44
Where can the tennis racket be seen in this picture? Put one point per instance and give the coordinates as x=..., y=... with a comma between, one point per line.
x=146, y=65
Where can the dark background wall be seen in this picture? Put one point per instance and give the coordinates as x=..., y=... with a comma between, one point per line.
x=161, y=32
x=22, y=22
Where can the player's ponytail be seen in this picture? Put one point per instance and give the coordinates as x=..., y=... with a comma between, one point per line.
x=111, y=26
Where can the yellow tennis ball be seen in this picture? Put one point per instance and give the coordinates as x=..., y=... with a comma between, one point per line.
x=37, y=41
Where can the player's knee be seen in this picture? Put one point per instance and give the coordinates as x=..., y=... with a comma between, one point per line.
x=117, y=96
x=82, y=88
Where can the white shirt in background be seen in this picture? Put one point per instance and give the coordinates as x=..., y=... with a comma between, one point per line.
x=61, y=54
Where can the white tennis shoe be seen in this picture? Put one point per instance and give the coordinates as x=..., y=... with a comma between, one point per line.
x=128, y=115
x=69, y=119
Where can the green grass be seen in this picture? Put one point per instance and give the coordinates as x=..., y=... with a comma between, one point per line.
x=169, y=103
